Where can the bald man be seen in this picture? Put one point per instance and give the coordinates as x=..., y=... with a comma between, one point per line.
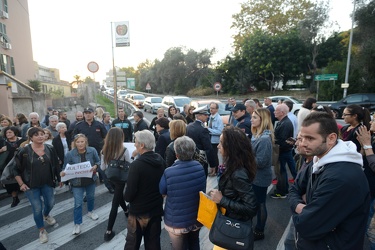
x=283, y=131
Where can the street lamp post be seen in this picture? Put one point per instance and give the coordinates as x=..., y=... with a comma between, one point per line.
x=349, y=52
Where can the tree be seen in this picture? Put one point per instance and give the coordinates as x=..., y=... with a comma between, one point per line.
x=271, y=16
x=35, y=84
x=275, y=58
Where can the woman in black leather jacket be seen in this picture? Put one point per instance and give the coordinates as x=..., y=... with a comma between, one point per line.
x=235, y=191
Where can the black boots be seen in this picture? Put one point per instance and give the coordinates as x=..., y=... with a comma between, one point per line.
x=15, y=201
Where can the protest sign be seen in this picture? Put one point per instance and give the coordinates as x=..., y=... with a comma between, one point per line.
x=78, y=170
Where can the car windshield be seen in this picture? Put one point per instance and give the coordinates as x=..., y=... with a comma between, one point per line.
x=156, y=100
x=138, y=97
x=182, y=101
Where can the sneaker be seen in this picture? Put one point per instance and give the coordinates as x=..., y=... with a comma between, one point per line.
x=274, y=182
x=50, y=220
x=76, y=229
x=278, y=196
x=43, y=236
x=15, y=201
x=92, y=215
x=109, y=236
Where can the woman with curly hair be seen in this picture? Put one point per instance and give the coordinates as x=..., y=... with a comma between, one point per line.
x=172, y=110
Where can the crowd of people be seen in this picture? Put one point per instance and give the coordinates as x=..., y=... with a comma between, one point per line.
x=331, y=189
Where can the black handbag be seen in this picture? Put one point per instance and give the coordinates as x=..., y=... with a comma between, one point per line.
x=118, y=170
x=7, y=176
x=231, y=234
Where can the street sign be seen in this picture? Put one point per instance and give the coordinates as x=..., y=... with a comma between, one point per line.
x=326, y=77
x=344, y=85
x=93, y=67
x=148, y=86
x=217, y=86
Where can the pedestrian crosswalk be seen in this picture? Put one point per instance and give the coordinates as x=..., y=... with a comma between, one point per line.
x=18, y=230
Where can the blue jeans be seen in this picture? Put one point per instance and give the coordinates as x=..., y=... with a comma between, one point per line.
x=282, y=178
x=290, y=242
x=261, y=194
x=34, y=195
x=78, y=200
x=184, y=241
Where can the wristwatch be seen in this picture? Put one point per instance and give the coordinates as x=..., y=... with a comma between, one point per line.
x=367, y=147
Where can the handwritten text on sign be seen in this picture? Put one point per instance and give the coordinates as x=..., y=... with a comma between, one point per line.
x=78, y=170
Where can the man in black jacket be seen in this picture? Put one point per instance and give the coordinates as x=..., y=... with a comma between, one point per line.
x=283, y=131
x=123, y=123
x=162, y=127
x=334, y=211
x=142, y=193
x=140, y=124
x=201, y=136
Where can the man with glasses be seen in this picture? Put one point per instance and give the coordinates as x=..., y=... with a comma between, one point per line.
x=215, y=126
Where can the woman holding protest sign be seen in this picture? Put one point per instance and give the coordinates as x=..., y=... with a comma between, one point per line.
x=82, y=153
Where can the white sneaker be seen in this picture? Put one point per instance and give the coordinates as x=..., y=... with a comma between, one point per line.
x=92, y=215
x=50, y=220
x=76, y=229
x=43, y=236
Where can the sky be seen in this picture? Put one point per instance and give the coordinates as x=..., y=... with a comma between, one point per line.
x=69, y=34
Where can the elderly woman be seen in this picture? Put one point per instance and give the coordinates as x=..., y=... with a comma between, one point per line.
x=62, y=142
x=81, y=152
x=177, y=128
x=182, y=182
x=235, y=191
x=36, y=171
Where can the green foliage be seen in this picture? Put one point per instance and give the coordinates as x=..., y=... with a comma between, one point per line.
x=271, y=16
x=201, y=91
x=107, y=104
x=35, y=84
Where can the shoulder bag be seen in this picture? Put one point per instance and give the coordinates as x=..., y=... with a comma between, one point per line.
x=7, y=177
x=231, y=234
x=117, y=169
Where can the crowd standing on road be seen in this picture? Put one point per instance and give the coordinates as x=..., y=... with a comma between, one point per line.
x=330, y=162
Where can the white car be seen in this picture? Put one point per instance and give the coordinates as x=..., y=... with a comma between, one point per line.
x=121, y=94
x=152, y=104
x=297, y=104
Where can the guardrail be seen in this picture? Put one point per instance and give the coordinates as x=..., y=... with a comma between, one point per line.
x=129, y=108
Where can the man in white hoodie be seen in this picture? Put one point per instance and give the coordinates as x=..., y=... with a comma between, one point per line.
x=330, y=210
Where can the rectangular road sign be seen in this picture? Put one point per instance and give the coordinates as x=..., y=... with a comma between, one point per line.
x=326, y=77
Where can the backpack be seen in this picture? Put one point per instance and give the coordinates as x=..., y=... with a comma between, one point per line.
x=117, y=169
x=199, y=155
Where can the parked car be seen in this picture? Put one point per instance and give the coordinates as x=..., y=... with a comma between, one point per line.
x=366, y=100
x=137, y=100
x=222, y=112
x=297, y=104
x=152, y=104
x=121, y=94
x=110, y=91
x=177, y=101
